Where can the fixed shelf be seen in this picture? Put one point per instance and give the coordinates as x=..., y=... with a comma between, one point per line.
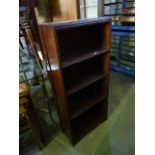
x=77, y=58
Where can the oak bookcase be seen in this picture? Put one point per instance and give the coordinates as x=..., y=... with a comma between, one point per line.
x=78, y=56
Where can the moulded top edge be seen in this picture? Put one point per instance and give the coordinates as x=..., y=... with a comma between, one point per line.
x=77, y=22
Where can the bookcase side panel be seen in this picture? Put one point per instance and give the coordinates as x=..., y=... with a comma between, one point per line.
x=106, y=66
x=57, y=79
x=107, y=38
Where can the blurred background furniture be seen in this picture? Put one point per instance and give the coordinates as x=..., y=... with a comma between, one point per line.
x=38, y=122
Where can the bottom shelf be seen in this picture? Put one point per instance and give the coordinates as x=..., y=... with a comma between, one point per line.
x=84, y=123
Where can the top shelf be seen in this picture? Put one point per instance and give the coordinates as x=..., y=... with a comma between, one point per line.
x=78, y=57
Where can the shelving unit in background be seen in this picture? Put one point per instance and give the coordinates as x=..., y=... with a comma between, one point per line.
x=123, y=34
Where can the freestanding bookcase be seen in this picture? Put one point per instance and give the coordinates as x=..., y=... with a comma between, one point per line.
x=78, y=55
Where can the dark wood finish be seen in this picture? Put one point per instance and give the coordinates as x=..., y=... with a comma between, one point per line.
x=86, y=98
x=78, y=60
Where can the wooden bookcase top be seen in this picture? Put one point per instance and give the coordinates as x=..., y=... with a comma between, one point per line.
x=78, y=22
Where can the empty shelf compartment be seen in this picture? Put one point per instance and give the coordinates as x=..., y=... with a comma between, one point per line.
x=90, y=119
x=87, y=98
x=77, y=42
x=81, y=75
